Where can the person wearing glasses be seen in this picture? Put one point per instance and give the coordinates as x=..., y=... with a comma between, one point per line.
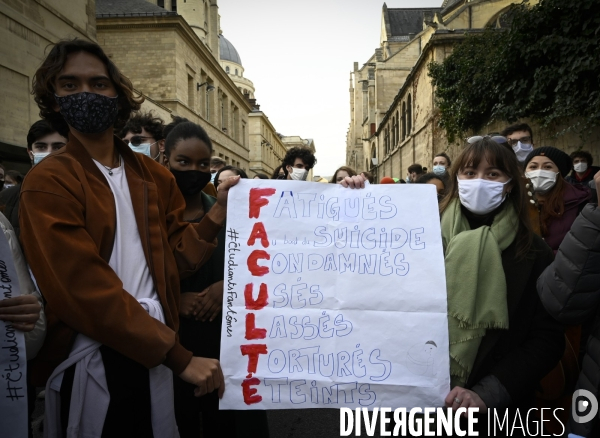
x=144, y=134
x=502, y=340
x=520, y=138
x=558, y=202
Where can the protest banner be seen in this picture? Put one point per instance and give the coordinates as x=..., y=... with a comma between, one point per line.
x=333, y=297
x=13, y=362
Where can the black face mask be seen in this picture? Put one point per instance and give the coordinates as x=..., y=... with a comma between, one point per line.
x=88, y=113
x=190, y=182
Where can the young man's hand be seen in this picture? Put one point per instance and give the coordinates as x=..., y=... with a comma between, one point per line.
x=22, y=312
x=218, y=212
x=210, y=302
x=188, y=303
x=206, y=374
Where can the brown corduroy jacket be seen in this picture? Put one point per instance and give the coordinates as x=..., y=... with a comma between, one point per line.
x=68, y=223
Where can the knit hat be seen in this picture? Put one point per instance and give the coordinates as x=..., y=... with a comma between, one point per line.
x=560, y=158
x=387, y=180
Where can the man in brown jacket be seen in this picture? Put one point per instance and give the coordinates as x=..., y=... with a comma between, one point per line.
x=103, y=231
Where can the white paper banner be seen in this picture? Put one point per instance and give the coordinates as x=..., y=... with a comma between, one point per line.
x=334, y=297
x=13, y=363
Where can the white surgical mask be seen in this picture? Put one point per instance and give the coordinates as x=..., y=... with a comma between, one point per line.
x=212, y=177
x=580, y=167
x=439, y=169
x=299, y=174
x=7, y=186
x=144, y=148
x=39, y=156
x=542, y=180
x=481, y=196
x=522, y=150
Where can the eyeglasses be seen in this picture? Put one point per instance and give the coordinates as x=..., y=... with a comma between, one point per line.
x=497, y=138
x=523, y=140
x=137, y=140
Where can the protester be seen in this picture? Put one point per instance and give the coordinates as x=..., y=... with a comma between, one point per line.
x=260, y=176
x=188, y=150
x=12, y=178
x=437, y=181
x=414, y=172
x=558, y=202
x=144, y=134
x=441, y=164
x=570, y=291
x=42, y=139
x=297, y=163
x=502, y=341
x=278, y=173
x=227, y=172
x=583, y=172
x=341, y=173
x=216, y=164
x=520, y=137
x=111, y=291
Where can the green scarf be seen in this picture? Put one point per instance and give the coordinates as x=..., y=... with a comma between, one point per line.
x=475, y=282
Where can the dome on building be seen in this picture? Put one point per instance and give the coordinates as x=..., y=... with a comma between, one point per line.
x=228, y=52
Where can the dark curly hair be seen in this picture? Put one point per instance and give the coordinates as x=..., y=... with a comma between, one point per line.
x=44, y=79
x=138, y=121
x=304, y=154
x=583, y=154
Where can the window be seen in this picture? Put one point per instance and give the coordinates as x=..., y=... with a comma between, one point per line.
x=236, y=71
x=409, y=115
x=394, y=139
x=174, y=5
x=227, y=69
x=397, y=127
x=191, y=91
x=160, y=3
x=403, y=120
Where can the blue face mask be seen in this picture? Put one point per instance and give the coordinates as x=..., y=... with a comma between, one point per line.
x=144, y=149
x=39, y=156
x=439, y=169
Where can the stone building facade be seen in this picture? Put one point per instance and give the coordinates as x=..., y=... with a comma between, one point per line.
x=395, y=126
x=174, y=66
x=266, y=147
x=27, y=27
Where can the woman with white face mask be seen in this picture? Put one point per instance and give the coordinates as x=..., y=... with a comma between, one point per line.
x=558, y=202
x=502, y=341
x=441, y=164
x=583, y=170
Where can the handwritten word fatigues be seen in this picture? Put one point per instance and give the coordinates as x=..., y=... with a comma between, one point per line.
x=68, y=227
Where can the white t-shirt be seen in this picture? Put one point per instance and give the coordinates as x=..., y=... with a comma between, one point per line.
x=127, y=258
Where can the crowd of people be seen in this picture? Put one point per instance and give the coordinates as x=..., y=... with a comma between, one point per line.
x=117, y=234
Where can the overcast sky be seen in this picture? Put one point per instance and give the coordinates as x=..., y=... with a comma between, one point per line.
x=299, y=54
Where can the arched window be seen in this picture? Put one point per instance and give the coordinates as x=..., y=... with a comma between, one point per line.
x=409, y=115
x=394, y=139
x=403, y=120
x=236, y=71
x=227, y=69
x=373, y=155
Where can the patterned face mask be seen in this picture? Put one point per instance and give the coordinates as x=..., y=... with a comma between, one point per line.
x=88, y=113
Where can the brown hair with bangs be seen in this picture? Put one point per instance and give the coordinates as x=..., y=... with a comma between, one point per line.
x=44, y=79
x=506, y=161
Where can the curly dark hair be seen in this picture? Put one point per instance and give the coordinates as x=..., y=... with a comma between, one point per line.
x=304, y=154
x=44, y=79
x=138, y=121
x=583, y=154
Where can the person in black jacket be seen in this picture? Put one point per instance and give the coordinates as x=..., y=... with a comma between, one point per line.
x=570, y=290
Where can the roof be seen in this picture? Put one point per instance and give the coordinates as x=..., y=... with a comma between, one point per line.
x=125, y=8
x=227, y=51
x=405, y=21
x=449, y=4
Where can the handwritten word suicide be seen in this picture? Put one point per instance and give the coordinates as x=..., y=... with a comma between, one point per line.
x=334, y=297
